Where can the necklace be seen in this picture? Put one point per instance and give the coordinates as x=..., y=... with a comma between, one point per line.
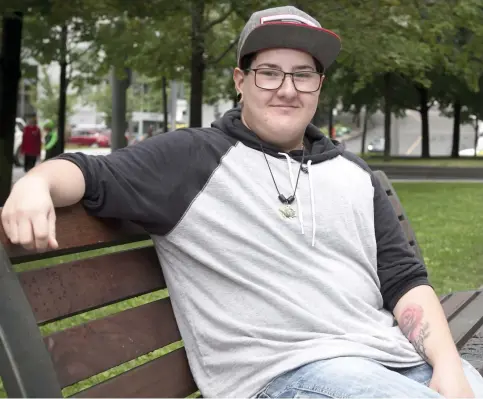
x=286, y=209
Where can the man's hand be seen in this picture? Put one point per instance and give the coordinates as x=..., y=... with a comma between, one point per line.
x=450, y=381
x=28, y=216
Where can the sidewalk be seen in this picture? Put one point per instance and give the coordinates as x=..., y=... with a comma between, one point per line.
x=17, y=172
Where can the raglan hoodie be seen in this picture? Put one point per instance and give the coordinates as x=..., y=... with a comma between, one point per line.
x=256, y=291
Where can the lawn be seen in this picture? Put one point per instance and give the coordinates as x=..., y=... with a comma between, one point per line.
x=447, y=218
x=448, y=221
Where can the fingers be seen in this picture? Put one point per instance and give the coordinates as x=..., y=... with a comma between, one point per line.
x=40, y=227
x=10, y=228
x=32, y=232
x=25, y=234
x=51, y=226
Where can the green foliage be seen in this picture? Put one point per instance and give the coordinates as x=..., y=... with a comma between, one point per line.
x=422, y=44
x=47, y=101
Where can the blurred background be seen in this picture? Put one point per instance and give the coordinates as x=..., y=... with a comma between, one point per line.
x=110, y=73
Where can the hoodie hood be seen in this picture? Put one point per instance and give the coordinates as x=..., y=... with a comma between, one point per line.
x=322, y=148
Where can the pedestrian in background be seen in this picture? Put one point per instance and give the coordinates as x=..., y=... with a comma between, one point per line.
x=31, y=143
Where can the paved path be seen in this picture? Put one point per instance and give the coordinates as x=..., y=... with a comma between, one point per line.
x=440, y=134
x=17, y=173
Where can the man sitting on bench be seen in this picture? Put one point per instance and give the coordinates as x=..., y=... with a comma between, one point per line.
x=287, y=267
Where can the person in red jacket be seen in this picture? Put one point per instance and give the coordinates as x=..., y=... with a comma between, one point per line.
x=31, y=143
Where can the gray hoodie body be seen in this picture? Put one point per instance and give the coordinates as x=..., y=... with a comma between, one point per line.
x=255, y=293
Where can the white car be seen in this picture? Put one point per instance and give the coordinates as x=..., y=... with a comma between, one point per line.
x=17, y=144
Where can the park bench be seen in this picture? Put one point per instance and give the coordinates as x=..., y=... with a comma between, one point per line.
x=54, y=344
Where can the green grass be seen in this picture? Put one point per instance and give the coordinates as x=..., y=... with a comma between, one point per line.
x=448, y=221
x=447, y=218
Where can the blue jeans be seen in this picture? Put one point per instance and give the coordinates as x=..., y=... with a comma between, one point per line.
x=360, y=378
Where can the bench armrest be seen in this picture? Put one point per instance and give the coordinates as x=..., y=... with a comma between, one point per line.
x=26, y=368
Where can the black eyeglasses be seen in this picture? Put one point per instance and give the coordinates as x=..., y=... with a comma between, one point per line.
x=272, y=79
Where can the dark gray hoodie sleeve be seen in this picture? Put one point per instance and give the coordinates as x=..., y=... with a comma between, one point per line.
x=398, y=268
x=153, y=182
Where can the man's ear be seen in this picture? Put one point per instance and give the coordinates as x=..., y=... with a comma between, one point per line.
x=322, y=81
x=239, y=79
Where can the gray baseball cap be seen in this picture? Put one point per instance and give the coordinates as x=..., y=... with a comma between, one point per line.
x=288, y=27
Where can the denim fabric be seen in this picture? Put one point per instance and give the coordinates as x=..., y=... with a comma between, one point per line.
x=360, y=378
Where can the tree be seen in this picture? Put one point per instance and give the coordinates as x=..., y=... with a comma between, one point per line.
x=47, y=102
x=9, y=79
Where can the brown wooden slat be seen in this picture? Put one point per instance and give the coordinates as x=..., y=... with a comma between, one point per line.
x=407, y=230
x=444, y=298
x=77, y=231
x=89, y=349
x=168, y=376
x=396, y=206
x=70, y=288
x=467, y=321
x=456, y=302
x=385, y=183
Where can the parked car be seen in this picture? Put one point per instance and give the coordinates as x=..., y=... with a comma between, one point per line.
x=17, y=143
x=376, y=145
x=90, y=137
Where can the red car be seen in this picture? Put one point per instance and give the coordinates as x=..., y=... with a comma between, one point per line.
x=90, y=138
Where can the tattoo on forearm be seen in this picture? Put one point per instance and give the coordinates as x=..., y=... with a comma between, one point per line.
x=414, y=328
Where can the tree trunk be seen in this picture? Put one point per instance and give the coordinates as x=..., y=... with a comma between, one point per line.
x=62, y=106
x=456, y=129
x=367, y=114
x=165, y=104
x=197, y=62
x=331, y=122
x=424, y=111
x=387, y=115
x=9, y=82
x=119, y=88
x=356, y=117
x=476, y=137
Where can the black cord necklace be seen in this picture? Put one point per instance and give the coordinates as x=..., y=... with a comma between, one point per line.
x=281, y=197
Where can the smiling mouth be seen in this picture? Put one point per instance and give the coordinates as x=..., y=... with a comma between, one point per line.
x=284, y=106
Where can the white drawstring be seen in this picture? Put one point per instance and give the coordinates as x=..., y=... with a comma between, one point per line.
x=312, y=202
x=292, y=182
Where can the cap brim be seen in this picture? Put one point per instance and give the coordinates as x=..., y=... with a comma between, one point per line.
x=322, y=44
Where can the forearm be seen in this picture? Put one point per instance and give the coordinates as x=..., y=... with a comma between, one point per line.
x=421, y=318
x=63, y=179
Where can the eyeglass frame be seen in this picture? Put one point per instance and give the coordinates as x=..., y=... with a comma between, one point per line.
x=321, y=76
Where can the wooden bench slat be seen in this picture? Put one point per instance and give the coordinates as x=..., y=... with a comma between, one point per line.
x=396, y=206
x=456, y=302
x=407, y=231
x=77, y=232
x=89, y=349
x=444, y=298
x=70, y=288
x=168, y=376
x=467, y=321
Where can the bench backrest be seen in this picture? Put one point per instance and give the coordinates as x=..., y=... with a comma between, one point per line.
x=103, y=316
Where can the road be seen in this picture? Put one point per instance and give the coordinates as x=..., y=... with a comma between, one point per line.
x=409, y=128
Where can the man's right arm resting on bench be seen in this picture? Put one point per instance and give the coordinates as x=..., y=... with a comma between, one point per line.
x=28, y=216
x=146, y=183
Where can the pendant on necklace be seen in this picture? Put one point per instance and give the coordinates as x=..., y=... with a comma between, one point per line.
x=287, y=211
